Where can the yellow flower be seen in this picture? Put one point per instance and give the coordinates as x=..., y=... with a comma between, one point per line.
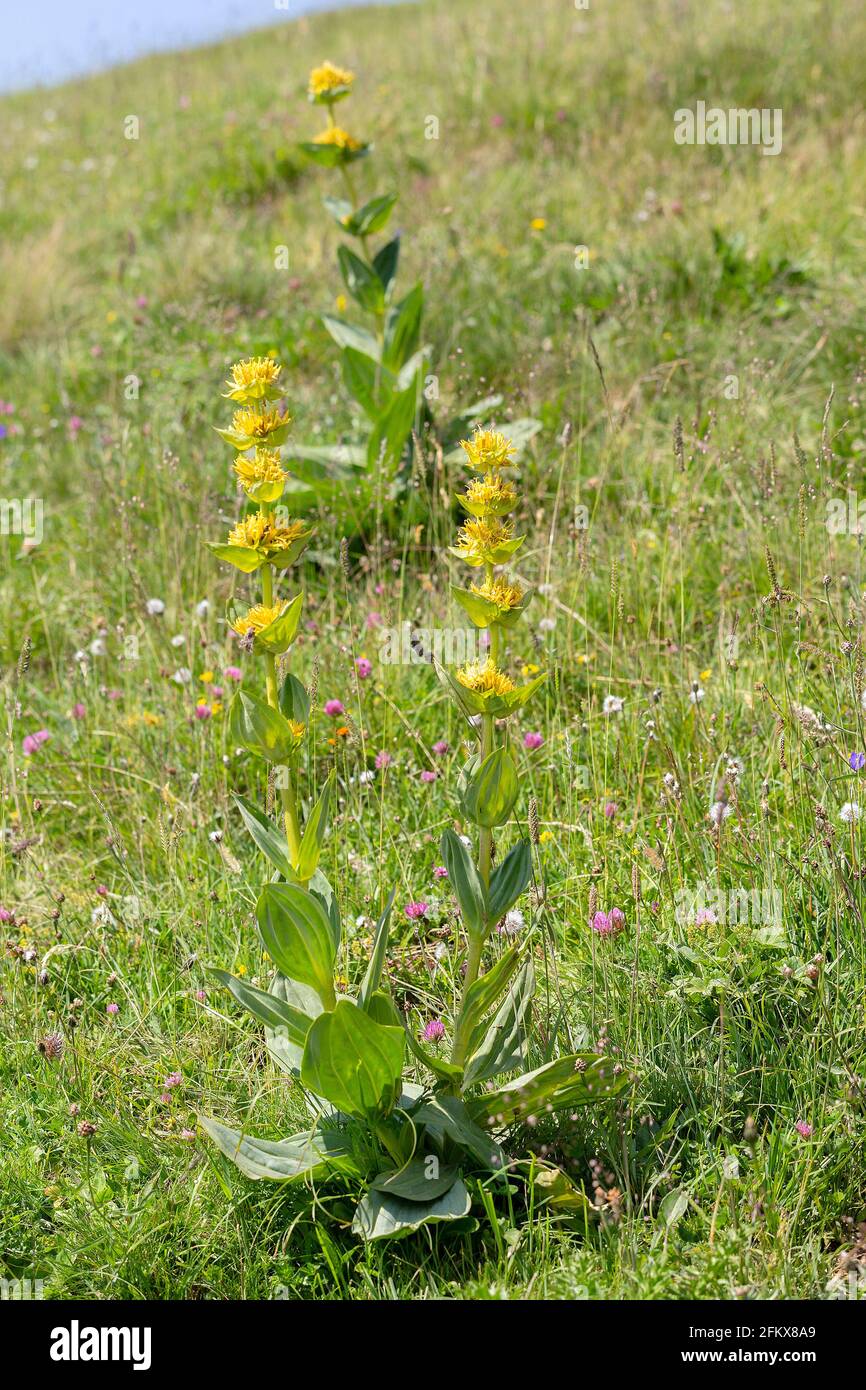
x=297, y=729
x=206, y=677
x=259, y=531
x=262, y=477
x=254, y=379
x=329, y=83
x=484, y=678
x=487, y=449
x=499, y=591
x=241, y=969
x=490, y=495
x=336, y=135
x=481, y=542
x=342, y=303
x=216, y=707
x=529, y=669
x=538, y=224
x=254, y=425
x=546, y=836
x=258, y=617
x=705, y=675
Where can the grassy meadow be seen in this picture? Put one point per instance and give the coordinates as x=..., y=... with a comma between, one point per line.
x=688, y=325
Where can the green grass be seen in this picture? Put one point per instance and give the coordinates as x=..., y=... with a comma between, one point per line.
x=706, y=264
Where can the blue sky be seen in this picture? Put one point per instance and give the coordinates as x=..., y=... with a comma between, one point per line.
x=53, y=40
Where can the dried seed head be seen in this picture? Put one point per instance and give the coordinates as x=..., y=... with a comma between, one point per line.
x=344, y=560
x=533, y=820
x=24, y=658
x=593, y=900
x=51, y=1046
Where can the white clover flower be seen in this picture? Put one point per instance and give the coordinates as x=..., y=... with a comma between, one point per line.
x=612, y=704
x=850, y=812
x=202, y=609
x=182, y=676
x=155, y=607
x=368, y=775
x=178, y=640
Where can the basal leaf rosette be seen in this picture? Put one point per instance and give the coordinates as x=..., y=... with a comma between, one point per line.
x=254, y=379
x=255, y=425
x=270, y=628
x=329, y=83
x=261, y=476
x=261, y=539
x=483, y=541
x=335, y=146
x=481, y=688
x=497, y=602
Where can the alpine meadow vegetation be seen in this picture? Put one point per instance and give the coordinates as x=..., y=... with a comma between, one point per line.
x=432, y=840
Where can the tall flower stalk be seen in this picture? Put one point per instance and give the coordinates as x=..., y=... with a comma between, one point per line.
x=487, y=694
x=263, y=541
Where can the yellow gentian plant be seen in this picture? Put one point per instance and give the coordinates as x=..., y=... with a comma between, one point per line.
x=417, y=1148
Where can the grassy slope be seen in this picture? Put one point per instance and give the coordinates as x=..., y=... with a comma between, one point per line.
x=544, y=112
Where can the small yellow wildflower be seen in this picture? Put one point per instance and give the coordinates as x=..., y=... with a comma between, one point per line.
x=487, y=449
x=152, y=720
x=206, y=677
x=478, y=540
x=538, y=224
x=258, y=618
x=529, y=669
x=336, y=135
x=216, y=707
x=258, y=425
x=329, y=83
x=254, y=379
x=490, y=495
x=342, y=303
x=484, y=678
x=705, y=675
x=506, y=596
x=545, y=837
x=263, y=476
x=241, y=969
x=260, y=532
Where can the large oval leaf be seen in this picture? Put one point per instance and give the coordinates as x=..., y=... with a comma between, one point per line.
x=492, y=791
x=382, y=1216
x=354, y=1062
x=466, y=882
x=279, y=1159
x=297, y=934
x=262, y=730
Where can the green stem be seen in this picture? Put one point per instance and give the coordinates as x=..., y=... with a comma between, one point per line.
x=287, y=785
